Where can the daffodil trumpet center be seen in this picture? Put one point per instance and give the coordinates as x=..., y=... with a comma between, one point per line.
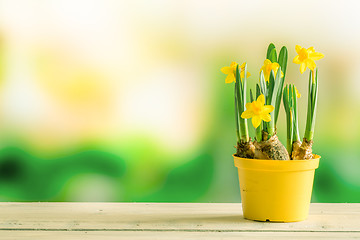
x=257, y=111
x=257, y=108
x=303, y=55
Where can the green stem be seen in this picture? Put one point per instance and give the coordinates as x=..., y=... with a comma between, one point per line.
x=290, y=131
x=236, y=117
x=258, y=133
x=244, y=130
x=309, y=135
x=271, y=130
x=241, y=101
x=296, y=134
x=273, y=98
x=312, y=104
x=288, y=105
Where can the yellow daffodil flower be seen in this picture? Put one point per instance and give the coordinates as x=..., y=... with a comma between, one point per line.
x=307, y=58
x=258, y=111
x=231, y=71
x=268, y=66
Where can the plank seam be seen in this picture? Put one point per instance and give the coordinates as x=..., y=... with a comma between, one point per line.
x=170, y=230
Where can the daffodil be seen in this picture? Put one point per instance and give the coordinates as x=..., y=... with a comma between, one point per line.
x=306, y=58
x=258, y=111
x=231, y=72
x=268, y=66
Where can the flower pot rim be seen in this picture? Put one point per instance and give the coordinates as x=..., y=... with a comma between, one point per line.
x=277, y=165
x=254, y=159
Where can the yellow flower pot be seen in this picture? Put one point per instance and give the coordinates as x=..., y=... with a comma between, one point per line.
x=276, y=190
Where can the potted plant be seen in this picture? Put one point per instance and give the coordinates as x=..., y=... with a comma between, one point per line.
x=275, y=181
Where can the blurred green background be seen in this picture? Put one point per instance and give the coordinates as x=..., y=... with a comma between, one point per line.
x=125, y=101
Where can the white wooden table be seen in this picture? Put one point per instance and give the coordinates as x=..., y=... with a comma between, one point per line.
x=168, y=221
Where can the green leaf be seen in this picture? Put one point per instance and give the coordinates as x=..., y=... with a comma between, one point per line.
x=241, y=121
x=310, y=88
x=286, y=99
x=272, y=93
x=238, y=81
x=294, y=101
x=308, y=134
x=289, y=119
x=290, y=133
x=314, y=106
x=236, y=114
x=263, y=84
x=251, y=96
x=270, y=87
x=291, y=96
x=237, y=93
x=283, y=58
x=258, y=91
x=273, y=56
x=275, y=90
x=295, y=116
x=278, y=99
x=270, y=51
x=244, y=85
x=277, y=94
x=313, y=97
x=244, y=132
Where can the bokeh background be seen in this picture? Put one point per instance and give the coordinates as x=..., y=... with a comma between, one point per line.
x=125, y=101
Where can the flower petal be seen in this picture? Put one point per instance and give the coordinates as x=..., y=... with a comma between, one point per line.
x=310, y=50
x=248, y=74
x=242, y=75
x=302, y=67
x=247, y=114
x=267, y=76
x=226, y=70
x=297, y=60
x=316, y=56
x=298, y=48
x=266, y=117
x=298, y=95
x=261, y=99
x=267, y=62
x=268, y=109
x=248, y=106
x=275, y=65
x=256, y=121
x=233, y=65
x=230, y=78
x=310, y=64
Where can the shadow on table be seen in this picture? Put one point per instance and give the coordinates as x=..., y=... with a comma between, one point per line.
x=208, y=219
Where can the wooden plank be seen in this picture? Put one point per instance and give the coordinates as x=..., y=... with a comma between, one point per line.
x=140, y=235
x=226, y=217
